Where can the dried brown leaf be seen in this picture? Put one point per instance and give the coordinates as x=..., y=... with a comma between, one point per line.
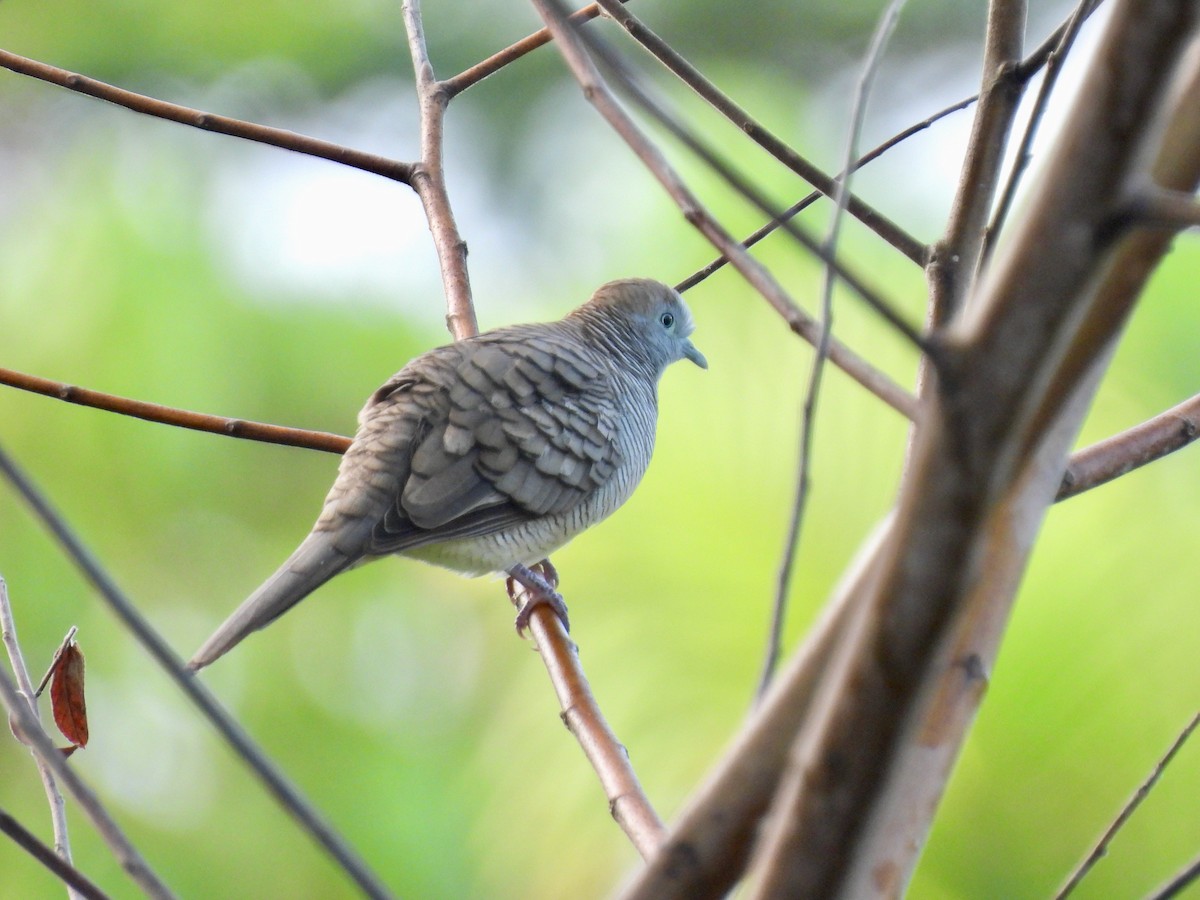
x=66, y=695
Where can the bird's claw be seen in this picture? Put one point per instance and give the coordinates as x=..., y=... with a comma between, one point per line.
x=539, y=583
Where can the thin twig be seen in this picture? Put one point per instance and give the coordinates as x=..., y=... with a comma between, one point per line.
x=1055, y=58
x=288, y=796
x=181, y=418
x=803, y=204
x=429, y=181
x=1173, y=888
x=1127, y=810
x=62, y=648
x=30, y=732
x=955, y=257
x=874, y=56
x=64, y=871
x=54, y=797
x=665, y=117
x=753, y=271
x=876, y=221
x=494, y=63
x=173, y=112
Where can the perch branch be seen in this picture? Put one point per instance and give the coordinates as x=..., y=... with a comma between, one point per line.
x=627, y=802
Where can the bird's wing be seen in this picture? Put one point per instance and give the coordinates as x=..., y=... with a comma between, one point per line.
x=514, y=426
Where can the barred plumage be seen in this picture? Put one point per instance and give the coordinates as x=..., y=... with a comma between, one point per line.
x=493, y=451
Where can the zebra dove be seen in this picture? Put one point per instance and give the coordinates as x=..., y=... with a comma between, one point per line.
x=488, y=454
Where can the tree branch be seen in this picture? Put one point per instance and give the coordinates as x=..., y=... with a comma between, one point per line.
x=58, y=812
x=955, y=258
x=161, y=109
x=180, y=418
x=876, y=221
x=276, y=783
x=1031, y=348
x=803, y=204
x=62, y=869
x=1131, y=449
x=429, y=181
x=30, y=732
x=1131, y=805
x=494, y=63
x=698, y=216
x=627, y=801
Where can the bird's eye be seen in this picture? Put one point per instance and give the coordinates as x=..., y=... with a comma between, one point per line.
x=667, y=319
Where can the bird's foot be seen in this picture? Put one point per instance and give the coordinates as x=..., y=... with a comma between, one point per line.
x=539, y=583
x=547, y=571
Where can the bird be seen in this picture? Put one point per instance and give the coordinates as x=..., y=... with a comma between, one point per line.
x=488, y=454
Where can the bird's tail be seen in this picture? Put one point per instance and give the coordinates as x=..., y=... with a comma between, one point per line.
x=315, y=561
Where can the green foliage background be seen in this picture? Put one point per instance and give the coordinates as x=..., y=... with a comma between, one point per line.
x=398, y=697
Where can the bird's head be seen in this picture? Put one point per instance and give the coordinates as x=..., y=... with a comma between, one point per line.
x=646, y=319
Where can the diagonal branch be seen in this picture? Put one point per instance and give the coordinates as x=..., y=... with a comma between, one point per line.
x=30, y=732
x=172, y=112
x=63, y=870
x=888, y=230
x=288, y=796
x=1130, y=807
x=754, y=272
x=627, y=801
x=807, y=201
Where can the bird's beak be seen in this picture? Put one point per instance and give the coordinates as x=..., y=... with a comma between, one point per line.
x=690, y=351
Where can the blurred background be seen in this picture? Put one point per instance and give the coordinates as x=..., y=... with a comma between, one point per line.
x=147, y=259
